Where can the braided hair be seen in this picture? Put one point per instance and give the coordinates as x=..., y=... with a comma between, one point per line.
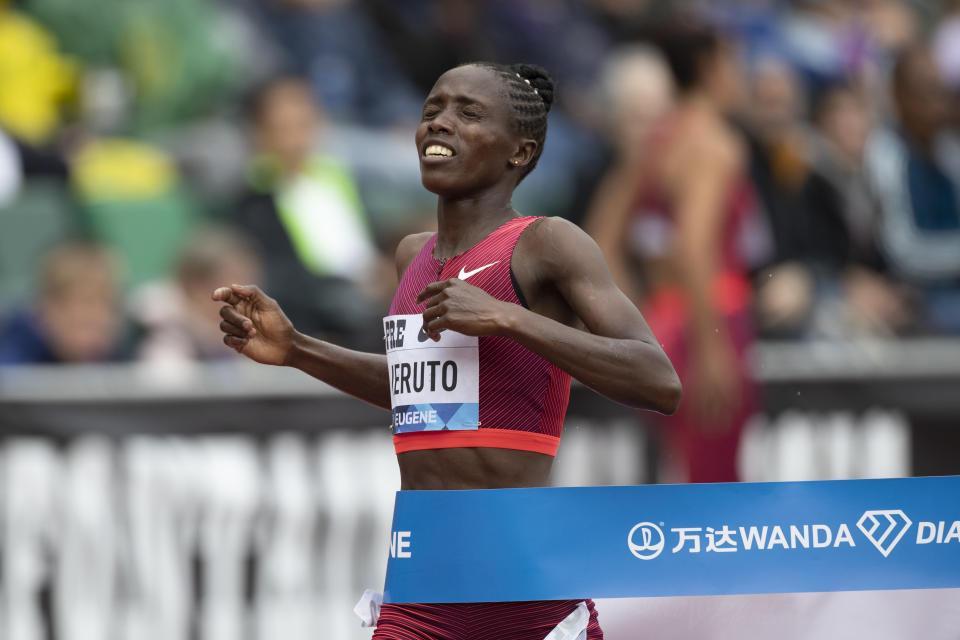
x=530, y=90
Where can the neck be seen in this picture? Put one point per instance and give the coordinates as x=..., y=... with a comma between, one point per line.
x=463, y=222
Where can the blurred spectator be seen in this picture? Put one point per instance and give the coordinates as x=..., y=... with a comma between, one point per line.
x=829, y=41
x=873, y=301
x=636, y=90
x=916, y=170
x=304, y=211
x=693, y=202
x=821, y=212
x=174, y=56
x=36, y=83
x=35, y=78
x=131, y=104
x=36, y=212
x=788, y=192
x=633, y=91
x=842, y=124
x=891, y=24
x=133, y=199
x=801, y=208
x=455, y=29
x=180, y=321
x=335, y=46
x=77, y=316
x=820, y=41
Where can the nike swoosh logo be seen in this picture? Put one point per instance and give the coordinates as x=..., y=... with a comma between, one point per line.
x=464, y=274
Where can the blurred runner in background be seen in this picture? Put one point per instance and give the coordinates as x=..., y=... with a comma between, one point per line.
x=684, y=212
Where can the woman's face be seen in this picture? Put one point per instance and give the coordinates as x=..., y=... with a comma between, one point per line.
x=288, y=124
x=465, y=139
x=845, y=121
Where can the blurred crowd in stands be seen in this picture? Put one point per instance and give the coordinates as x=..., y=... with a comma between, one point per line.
x=150, y=151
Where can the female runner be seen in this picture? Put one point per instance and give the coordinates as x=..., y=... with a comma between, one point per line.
x=536, y=293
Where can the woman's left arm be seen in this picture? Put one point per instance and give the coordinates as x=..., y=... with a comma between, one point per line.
x=617, y=355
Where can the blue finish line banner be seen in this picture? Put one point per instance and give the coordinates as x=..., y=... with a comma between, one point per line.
x=671, y=540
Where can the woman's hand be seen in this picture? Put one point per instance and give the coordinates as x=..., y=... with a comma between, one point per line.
x=254, y=325
x=453, y=304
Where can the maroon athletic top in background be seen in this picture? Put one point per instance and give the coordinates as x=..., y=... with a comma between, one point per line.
x=523, y=398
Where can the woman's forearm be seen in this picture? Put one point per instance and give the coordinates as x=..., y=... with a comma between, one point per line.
x=362, y=375
x=629, y=371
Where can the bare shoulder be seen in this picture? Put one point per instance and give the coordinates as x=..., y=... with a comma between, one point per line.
x=550, y=234
x=715, y=155
x=720, y=146
x=557, y=246
x=408, y=248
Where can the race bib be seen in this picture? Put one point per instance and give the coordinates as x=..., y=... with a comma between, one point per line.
x=434, y=386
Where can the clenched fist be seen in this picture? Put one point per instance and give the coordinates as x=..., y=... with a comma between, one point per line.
x=453, y=304
x=254, y=324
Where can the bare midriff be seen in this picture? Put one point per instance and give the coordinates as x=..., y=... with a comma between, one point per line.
x=473, y=468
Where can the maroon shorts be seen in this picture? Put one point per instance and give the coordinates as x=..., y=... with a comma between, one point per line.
x=479, y=621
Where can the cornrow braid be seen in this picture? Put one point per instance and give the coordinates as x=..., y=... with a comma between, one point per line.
x=530, y=90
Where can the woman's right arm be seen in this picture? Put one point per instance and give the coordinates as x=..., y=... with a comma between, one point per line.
x=254, y=325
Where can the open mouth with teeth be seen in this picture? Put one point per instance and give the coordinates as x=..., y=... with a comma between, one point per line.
x=438, y=151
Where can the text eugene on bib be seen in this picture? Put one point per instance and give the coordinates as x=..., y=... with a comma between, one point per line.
x=434, y=386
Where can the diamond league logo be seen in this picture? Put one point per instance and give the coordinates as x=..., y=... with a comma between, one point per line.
x=880, y=527
x=648, y=544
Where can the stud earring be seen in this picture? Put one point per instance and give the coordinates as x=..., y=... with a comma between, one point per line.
x=516, y=162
